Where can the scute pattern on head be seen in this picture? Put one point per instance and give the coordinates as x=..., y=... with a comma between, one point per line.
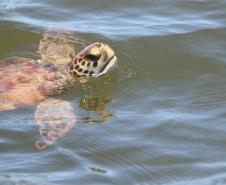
x=94, y=60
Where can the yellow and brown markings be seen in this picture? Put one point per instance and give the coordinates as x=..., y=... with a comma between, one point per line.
x=78, y=67
x=86, y=62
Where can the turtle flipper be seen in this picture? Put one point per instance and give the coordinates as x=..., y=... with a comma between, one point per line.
x=57, y=47
x=55, y=118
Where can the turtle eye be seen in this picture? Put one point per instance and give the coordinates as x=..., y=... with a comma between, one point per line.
x=93, y=57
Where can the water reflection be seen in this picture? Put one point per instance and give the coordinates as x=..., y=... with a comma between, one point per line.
x=96, y=108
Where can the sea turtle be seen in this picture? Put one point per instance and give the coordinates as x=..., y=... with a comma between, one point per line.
x=25, y=81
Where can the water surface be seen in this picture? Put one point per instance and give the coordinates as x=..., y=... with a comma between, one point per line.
x=164, y=105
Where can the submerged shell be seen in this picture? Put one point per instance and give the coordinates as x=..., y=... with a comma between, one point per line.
x=24, y=82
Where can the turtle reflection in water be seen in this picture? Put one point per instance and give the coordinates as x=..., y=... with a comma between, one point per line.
x=25, y=81
x=96, y=105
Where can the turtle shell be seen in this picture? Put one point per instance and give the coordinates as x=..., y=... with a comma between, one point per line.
x=24, y=82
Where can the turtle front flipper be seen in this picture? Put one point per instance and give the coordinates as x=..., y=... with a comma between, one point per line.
x=57, y=47
x=55, y=118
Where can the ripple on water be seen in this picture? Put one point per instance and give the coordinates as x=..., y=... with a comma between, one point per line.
x=140, y=18
x=167, y=96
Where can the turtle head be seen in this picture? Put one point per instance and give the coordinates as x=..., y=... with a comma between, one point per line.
x=95, y=60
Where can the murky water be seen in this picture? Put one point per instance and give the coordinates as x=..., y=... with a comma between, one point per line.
x=159, y=118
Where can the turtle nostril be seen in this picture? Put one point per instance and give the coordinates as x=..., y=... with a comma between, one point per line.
x=95, y=64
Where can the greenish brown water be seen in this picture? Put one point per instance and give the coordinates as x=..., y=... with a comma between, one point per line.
x=164, y=105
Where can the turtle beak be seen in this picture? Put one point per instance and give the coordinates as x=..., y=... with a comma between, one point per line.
x=108, y=60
